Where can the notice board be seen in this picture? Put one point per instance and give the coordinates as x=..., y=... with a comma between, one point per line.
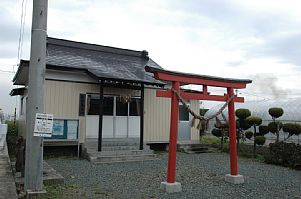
x=65, y=129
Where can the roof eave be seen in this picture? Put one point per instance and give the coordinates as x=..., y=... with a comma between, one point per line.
x=154, y=70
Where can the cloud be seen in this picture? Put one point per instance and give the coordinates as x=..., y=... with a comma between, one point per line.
x=266, y=84
x=284, y=46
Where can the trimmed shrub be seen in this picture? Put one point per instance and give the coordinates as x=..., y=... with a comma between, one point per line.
x=249, y=134
x=276, y=112
x=285, y=154
x=217, y=132
x=253, y=120
x=259, y=140
x=292, y=128
x=273, y=127
x=263, y=129
x=242, y=113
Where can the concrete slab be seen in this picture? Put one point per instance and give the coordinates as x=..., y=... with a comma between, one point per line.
x=50, y=176
x=171, y=187
x=234, y=179
x=7, y=183
x=8, y=190
x=31, y=194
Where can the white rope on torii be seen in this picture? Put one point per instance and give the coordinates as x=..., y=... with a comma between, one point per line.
x=203, y=121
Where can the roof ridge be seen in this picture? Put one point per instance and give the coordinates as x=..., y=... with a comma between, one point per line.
x=95, y=47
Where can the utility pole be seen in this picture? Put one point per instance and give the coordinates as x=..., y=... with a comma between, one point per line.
x=34, y=145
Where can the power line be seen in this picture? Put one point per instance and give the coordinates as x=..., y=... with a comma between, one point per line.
x=6, y=71
x=23, y=28
x=21, y=31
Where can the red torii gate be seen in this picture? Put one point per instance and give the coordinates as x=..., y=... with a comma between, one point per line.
x=177, y=79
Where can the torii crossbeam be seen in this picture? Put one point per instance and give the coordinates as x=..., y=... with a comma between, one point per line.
x=177, y=79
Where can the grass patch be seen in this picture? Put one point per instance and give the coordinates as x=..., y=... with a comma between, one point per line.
x=246, y=151
x=62, y=192
x=74, y=191
x=210, y=140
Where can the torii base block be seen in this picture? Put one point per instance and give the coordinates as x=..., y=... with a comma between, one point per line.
x=171, y=187
x=234, y=179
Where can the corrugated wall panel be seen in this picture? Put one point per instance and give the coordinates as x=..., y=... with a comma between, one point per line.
x=62, y=100
x=195, y=106
x=156, y=117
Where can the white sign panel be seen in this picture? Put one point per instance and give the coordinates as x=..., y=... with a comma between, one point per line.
x=72, y=127
x=43, y=125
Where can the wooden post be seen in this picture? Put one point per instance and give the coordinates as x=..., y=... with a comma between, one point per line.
x=173, y=137
x=232, y=135
x=100, y=115
x=141, y=116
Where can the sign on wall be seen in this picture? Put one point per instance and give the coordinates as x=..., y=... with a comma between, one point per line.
x=43, y=125
x=65, y=129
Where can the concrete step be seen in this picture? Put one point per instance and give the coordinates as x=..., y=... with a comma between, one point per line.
x=114, y=142
x=192, y=148
x=121, y=158
x=120, y=152
x=118, y=148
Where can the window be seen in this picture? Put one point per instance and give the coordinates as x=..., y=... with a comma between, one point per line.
x=82, y=104
x=108, y=105
x=183, y=113
x=22, y=106
x=93, y=105
x=135, y=107
x=121, y=107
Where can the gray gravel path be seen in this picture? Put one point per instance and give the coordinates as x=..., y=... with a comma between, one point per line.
x=201, y=176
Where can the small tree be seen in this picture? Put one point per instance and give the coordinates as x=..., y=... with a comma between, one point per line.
x=291, y=129
x=220, y=131
x=275, y=113
x=249, y=134
x=263, y=129
x=241, y=123
x=260, y=140
x=254, y=121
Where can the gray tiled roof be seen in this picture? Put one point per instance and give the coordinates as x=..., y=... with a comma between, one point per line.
x=100, y=61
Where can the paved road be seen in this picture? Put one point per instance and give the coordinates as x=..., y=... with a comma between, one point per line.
x=7, y=183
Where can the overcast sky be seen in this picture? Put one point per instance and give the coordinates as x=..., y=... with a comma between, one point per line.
x=256, y=39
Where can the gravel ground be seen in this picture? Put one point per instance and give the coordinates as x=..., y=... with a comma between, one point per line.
x=201, y=176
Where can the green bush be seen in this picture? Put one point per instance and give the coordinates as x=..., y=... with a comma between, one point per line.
x=292, y=128
x=276, y=112
x=242, y=113
x=246, y=150
x=208, y=139
x=249, y=134
x=217, y=132
x=253, y=120
x=285, y=154
x=273, y=127
x=11, y=137
x=263, y=129
x=260, y=140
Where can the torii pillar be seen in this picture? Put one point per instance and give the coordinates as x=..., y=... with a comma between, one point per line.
x=177, y=79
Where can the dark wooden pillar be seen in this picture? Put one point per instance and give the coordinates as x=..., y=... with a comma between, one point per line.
x=100, y=115
x=141, y=116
